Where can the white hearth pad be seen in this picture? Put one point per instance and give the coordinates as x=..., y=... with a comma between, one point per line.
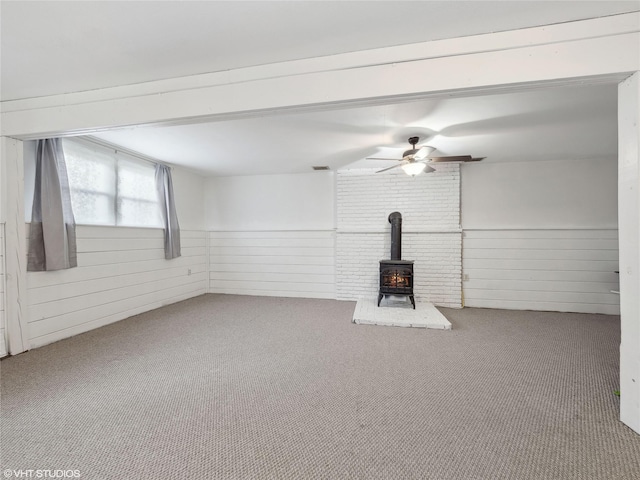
x=397, y=312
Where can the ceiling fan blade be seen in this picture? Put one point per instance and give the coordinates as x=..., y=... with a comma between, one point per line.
x=423, y=152
x=391, y=168
x=455, y=158
x=384, y=158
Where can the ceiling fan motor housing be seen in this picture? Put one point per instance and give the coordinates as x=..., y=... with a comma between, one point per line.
x=413, y=150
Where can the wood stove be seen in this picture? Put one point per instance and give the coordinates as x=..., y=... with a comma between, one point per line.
x=396, y=275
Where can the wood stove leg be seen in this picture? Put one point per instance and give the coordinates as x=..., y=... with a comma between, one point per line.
x=380, y=298
x=413, y=302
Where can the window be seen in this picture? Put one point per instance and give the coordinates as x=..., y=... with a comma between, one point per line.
x=137, y=202
x=109, y=187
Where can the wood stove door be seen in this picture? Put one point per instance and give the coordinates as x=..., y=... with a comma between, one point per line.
x=396, y=279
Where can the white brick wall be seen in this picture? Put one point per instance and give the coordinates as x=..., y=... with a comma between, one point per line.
x=430, y=207
x=428, y=201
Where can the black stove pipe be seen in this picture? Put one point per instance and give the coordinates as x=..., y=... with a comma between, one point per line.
x=395, y=219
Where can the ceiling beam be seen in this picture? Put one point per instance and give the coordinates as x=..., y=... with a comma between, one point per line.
x=491, y=64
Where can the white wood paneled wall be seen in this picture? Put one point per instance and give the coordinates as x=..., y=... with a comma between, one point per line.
x=554, y=270
x=273, y=263
x=3, y=328
x=121, y=272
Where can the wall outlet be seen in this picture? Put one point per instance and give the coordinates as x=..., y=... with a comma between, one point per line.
x=465, y=277
x=189, y=272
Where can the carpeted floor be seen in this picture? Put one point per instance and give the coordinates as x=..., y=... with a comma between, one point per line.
x=236, y=387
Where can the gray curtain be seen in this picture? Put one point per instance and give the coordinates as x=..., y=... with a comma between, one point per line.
x=52, y=239
x=164, y=184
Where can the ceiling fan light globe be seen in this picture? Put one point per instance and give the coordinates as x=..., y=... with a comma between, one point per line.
x=414, y=168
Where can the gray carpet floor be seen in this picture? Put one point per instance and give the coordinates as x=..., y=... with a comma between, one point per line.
x=237, y=387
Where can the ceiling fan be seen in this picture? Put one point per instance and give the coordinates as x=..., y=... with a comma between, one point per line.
x=414, y=161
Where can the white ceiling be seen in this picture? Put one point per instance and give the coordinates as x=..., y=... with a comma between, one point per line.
x=51, y=47
x=56, y=47
x=576, y=122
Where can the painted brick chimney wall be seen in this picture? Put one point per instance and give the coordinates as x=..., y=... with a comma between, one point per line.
x=431, y=233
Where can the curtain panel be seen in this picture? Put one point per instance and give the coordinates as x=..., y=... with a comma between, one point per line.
x=164, y=184
x=52, y=238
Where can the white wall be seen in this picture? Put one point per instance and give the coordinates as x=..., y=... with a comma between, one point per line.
x=14, y=266
x=29, y=149
x=271, y=202
x=3, y=326
x=629, y=215
x=541, y=235
x=544, y=194
x=188, y=189
x=272, y=235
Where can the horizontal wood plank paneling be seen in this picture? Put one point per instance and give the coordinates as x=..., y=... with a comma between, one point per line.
x=547, y=275
x=97, y=318
x=557, y=270
x=271, y=293
x=299, y=251
x=100, y=271
x=527, y=234
x=276, y=268
x=121, y=272
x=548, y=265
x=85, y=289
x=106, y=258
x=548, y=306
x=294, y=242
x=547, y=254
x=277, y=234
x=276, y=260
x=117, y=244
x=544, y=243
x=273, y=263
x=3, y=320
